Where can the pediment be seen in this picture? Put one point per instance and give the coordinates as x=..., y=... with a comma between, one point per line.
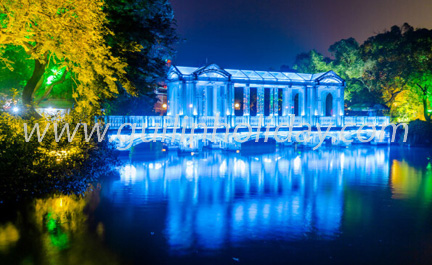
x=330, y=78
x=212, y=70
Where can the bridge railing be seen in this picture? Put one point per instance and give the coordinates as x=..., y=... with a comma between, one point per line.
x=327, y=121
x=234, y=121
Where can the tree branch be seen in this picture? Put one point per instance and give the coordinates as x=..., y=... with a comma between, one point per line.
x=50, y=87
x=394, y=94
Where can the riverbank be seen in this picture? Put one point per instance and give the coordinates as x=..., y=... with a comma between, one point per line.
x=419, y=134
x=34, y=169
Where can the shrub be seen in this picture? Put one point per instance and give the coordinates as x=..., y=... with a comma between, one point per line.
x=32, y=169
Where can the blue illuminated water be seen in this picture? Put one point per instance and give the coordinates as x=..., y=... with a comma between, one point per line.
x=360, y=205
x=331, y=205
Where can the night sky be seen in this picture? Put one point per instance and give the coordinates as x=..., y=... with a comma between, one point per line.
x=259, y=34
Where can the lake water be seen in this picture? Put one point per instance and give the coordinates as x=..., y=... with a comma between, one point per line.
x=363, y=204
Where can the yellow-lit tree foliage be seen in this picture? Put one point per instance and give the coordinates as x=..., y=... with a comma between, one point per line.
x=69, y=34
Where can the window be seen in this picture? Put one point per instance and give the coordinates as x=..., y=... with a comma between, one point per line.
x=253, y=101
x=267, y=101
x=296, y=104
x=329, y=105
x=238, y=101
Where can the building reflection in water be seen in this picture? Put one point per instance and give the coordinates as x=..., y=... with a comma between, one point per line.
x=218, y=198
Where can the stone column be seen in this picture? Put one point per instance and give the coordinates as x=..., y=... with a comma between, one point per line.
x=224, y=100
x=319, y=103
x=181, y=106
x=339, y=110
x=230, y=99
x=286, y=101
x=246, y=100
x=189, y=95
x=215, y=99
x=170, y=96
x=310, y=105
x=208, y=100
x=304, y=110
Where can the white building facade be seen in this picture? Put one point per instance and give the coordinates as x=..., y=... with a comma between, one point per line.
x=212, y=91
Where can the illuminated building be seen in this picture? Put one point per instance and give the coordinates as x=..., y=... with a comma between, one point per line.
x=212, y=90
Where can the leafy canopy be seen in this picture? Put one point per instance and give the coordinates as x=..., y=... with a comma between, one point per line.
x=63, y=37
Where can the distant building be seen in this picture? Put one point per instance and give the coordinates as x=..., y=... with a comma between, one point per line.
x=161, y=105
x=211, y=91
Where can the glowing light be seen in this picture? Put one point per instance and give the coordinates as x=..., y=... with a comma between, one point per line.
x=237, y=106
x=128, y=173
x=163, y=150
x=164, y=106
x=223, y=167
x=15, y=109
x=190, y=106
x=239, y=165
x=237, y=151
x=50, y=79
x=189, y=171
x=297, y=163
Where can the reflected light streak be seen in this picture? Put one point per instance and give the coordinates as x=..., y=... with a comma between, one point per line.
x=287, y=202
x=297, y=163
x=128, y=174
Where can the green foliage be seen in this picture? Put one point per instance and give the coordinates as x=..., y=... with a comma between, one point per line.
x=14, y=75
x=36, y=168
x=66, y=35
x=392, y=68
x=311, y=62
x=151, y=25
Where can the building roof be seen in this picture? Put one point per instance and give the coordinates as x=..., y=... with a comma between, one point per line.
x=213, y=72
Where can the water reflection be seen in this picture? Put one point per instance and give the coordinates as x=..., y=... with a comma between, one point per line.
x=279, y=207
x=9, y=236
x=409, y=182
x=54, y=231
x=217, y=197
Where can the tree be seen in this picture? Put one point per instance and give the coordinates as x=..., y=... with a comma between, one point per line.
x=392, y=68
x=402, y=68
x=64, y=40
x=311, y=62
x=388, y=71
x=151, y=25
x=419, y=61
x=348, y=63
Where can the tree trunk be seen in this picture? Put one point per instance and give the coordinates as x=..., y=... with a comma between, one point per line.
x=425, y=109
x=32, y=85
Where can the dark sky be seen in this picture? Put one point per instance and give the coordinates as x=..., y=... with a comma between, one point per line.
x=258, y=34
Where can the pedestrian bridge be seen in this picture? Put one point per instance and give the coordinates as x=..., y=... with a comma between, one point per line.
x=229, y=132
x=224, y=108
